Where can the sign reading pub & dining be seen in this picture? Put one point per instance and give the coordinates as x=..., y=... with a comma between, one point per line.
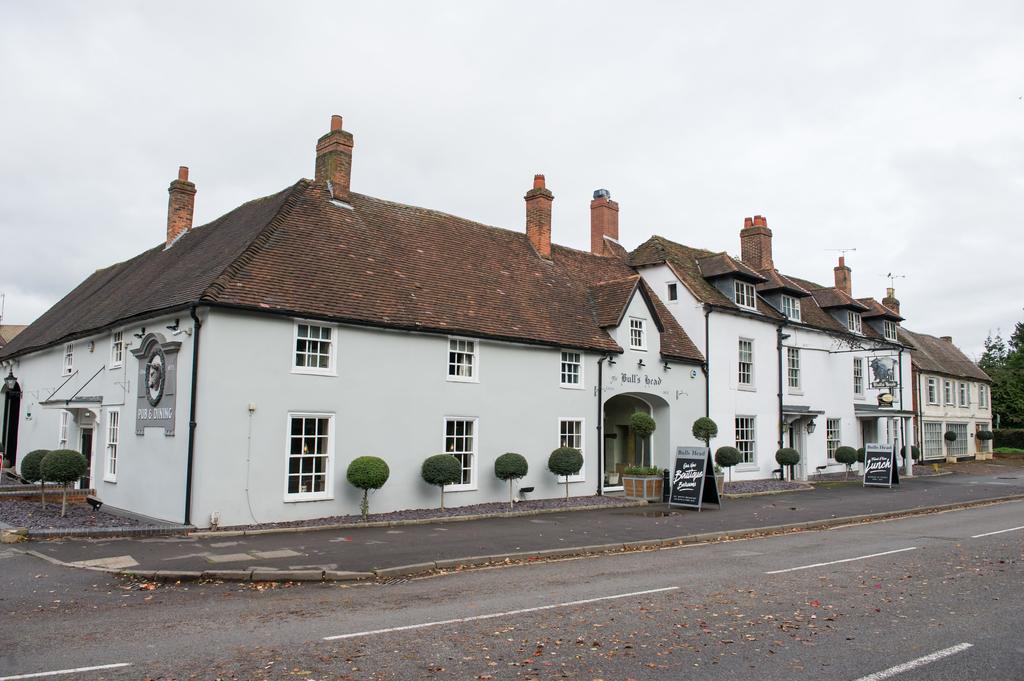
x=157, y=380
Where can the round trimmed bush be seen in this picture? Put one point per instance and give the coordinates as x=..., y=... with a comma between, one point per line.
x=985, y=435
x=441, y=470
x=860, y=455
x=727, y=457
x=30, y=465
x=704, y=429
x=787, y=456
x=642, y=424
x=915, y=453
x=63, y=466
x=366, y=473
x=565, y=461
x=950, y=436
x=846, y=456
x=510, y=466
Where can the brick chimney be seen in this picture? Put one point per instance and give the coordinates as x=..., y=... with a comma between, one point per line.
x=844, y=280
x=604, y=221
x=538, y=216
x=948, y=339
x=180, y=205
x=334, y=160
x=756, y=243
x=890, y=300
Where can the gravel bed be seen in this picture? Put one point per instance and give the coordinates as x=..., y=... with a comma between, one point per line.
x=755, y=486
x=919, y=472
x=30, y=514
x=494, y=508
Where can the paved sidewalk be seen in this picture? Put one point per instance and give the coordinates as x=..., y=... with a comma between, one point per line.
x=367, y=549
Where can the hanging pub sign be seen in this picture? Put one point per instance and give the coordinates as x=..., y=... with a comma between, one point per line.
x=883, y=372
x=689, y=487
x=157, y=380
x=880, y=466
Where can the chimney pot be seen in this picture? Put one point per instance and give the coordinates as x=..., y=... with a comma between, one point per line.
x=604, y=221
x=334, y=160
x=538, y=217
x=538, y=182
x=181, y=203
x=748, y=222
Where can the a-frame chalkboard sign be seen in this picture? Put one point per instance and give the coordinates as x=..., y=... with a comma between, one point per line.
x=880, y=466
x=689, y=485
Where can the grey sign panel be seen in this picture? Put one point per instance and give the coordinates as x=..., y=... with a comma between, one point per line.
x=880, y=469
x=689, y=486
x=157, y=381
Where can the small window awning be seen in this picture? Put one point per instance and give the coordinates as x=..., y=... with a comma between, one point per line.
x=800, y=410
x=870, y=411
x=83, y=401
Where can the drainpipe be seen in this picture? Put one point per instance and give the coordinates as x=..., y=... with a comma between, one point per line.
x=197, y=325
x=707, y=361
x=780, y=336
x=600, y=423
x=908, y=459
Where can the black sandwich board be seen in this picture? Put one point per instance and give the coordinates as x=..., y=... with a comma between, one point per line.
x=881, y=469
x=689, y=482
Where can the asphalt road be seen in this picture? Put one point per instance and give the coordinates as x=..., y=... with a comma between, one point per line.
x=939, y=596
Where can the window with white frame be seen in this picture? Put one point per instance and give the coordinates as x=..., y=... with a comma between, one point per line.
x=947, y=392
x=571, y=375
x=116, y=349
x=745, y=296
x=113, y=433
x=462, y=359
x=637, y=334
x=793, y=367
x=932, y=440
x=853, y=321
x=69, y=358
x=62, y=429
x=791, y=308
x=745, y=375
x=957, y=447
x=889, y=330
x=460, y=442
x=673, y=291
x=310, y=456
x=965, y=395
x=746, y=438
x=933, y=391
x=570, y=434
x=858, y=376
x=314, y=349
x=833, y=436
x=983, y=396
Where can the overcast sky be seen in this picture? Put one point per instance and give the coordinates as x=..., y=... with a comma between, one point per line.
x=894, y=128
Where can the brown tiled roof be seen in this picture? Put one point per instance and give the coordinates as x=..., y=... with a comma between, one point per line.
x=876, y=309
x=833, y=297
x=779, y=282
x=684, y=262
x=929, y=353
x=610, y=298
x=723, y=265
x=377, y=263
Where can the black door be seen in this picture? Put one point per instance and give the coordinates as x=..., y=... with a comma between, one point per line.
x=84, y=483
x=12, y=414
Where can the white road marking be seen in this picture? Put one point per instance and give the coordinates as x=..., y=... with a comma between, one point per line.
x=509, y=613
x=844, y=560
x=989, y=534
x=77, y=670
x=914, y=664
x=112, y=563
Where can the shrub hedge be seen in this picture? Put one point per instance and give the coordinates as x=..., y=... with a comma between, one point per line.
x=1009, y=437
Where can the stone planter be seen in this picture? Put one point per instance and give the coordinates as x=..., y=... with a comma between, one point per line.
x=647, y=487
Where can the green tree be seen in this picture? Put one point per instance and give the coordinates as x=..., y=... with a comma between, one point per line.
x=643, y=426
x=1003, y=361
x=63, y=466
x=366, y=473
x=511, y=467
x=31, y=472
x=441, y=470
x=565, y=461
x=704, y=429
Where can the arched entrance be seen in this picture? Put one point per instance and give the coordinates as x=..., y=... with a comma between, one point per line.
x=622, y=447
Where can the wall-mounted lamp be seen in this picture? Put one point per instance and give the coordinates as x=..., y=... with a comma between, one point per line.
x=174, y=326
x=141, y=334
x=611, y=361
x=665, y=366
x=10, y=381
x=811, y=426
x=640, y=364
x=176, y=329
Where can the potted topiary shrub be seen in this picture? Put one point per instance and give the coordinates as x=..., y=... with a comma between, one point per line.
x=949, y=436
x=510, y=466
x=63, y=466
x=846, y=456
x=727, y=457
x=441, y=470
x=30, y=471
x=787, y=456
x=565, y=461
x=704, y=429
x=366, y=473
x=643, y=426
x=643, y=482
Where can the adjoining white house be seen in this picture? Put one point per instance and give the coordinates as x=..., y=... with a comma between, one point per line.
x=230, y=374
x=951, y=395
x=790, y=363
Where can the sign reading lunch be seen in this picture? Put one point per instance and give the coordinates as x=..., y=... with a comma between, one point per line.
x=157, y=381
x=688, y=486
x=880, y=469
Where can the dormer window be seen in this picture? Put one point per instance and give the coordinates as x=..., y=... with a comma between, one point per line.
x=889, y=330
x=637, y=334
x=791, y=308
x=745, y=295
x=853, y=322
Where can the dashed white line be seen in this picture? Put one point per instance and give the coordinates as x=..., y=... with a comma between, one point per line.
x=989, y=534
x=844, y=560
x=914, y=664
x=76, y=670
x=476, y=618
